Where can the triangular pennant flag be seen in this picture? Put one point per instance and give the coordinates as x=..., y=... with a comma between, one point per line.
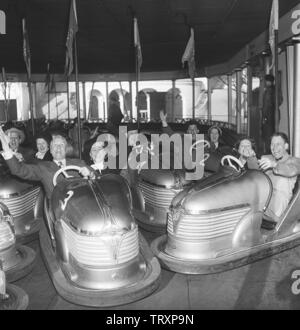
x=26, y=49
x=72, y=30
x=137, y=43
x=49, y=81
x=189, y=55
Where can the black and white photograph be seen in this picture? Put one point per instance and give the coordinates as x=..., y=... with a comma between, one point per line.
x=149, y=157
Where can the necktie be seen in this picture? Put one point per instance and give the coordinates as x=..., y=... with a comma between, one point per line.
x=60, y=164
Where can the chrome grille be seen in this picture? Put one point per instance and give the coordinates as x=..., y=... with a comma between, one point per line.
x=157, y=196
x=19, y=206
x=105, y=250
x=7, y=237
x=205, y=226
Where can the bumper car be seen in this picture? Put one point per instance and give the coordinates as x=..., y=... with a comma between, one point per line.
x=159, y=187
x=11, y=296
x=25, y=203
x=215, y=225
x=17, y=260
x=91, y=245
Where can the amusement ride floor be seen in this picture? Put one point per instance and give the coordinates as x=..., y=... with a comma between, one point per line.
x=266, y=284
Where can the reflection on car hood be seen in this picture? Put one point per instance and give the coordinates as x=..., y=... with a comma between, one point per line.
x=13, y=187
x=93, y=207
x=222, y=191
x=165, y=178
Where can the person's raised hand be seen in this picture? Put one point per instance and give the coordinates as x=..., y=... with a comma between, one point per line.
x=4, y=140
x=163, y=116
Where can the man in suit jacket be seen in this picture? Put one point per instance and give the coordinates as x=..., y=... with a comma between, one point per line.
x=43, y=171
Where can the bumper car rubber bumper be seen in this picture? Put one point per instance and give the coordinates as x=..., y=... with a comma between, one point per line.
x=25, y=265
x=30, y=235
x=17, y=299
x=223, y=262
x=101, y=298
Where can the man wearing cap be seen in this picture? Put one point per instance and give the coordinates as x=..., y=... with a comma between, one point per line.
x=16, y=138
x=43, y=171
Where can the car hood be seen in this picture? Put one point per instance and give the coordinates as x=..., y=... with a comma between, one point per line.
x=174, y=179
x=225, y=190
x=94, y=206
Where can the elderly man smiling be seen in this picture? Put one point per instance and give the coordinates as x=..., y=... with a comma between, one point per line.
x=43, y=171
x=283, y=170
x=16, y=138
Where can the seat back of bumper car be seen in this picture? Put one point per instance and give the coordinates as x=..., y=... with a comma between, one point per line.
x=96, y=237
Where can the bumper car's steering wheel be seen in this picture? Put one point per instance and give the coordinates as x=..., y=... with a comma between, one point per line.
x=206, y=144
x=64, y=172
x=229, y=158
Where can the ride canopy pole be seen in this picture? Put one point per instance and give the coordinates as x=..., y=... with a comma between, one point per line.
x=31, y=105
x=193, y=87
x=77, y=98
x=137, y=77
x=277, y=113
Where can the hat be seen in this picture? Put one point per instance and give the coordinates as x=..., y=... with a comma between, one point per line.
x=18, y=131
x=44, y=136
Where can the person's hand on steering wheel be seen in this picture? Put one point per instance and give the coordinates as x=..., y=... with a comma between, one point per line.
x=84, y=171
x=230, y=158
x=87, y=173
x=266, y=163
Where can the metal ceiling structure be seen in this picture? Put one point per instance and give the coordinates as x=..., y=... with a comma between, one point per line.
x=105, y=37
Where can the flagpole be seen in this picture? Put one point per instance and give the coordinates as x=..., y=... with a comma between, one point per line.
x=137, y=85
x=31, y=104
x=48, y=102
x=48, y=89
x=56, y=106
x=68, y=99
x=77, y=97
x=124, y=103
x=5, y=99
x=277, y=113
x=26, y=53
x=193, y=86
x=90, y=102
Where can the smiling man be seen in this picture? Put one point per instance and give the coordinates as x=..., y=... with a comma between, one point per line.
x=16, y=138
x=283, y=170
x=43, y=171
